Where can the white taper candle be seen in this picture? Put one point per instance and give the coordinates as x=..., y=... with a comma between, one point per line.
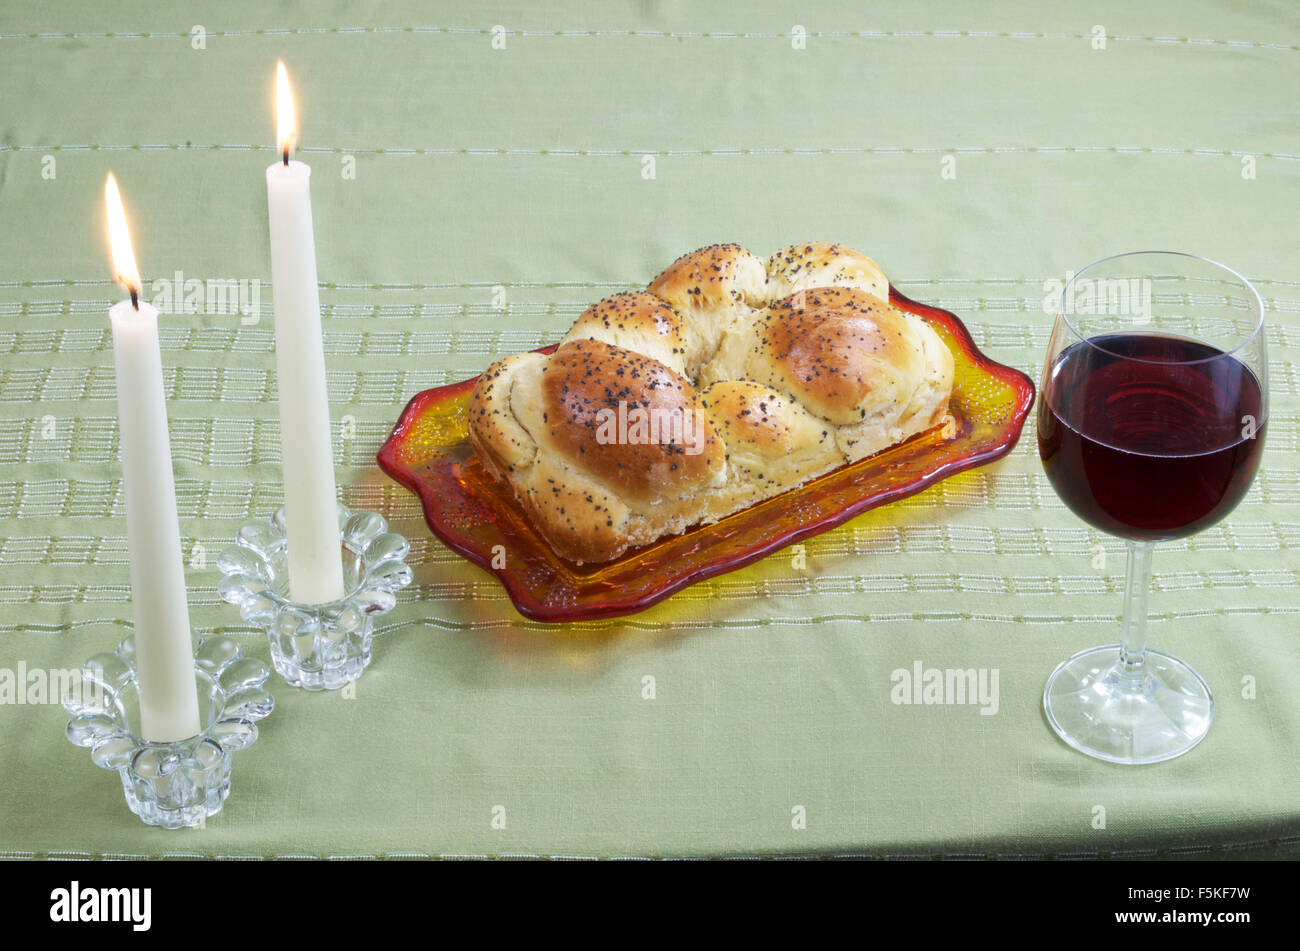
x=307, y=455
x=164, y=652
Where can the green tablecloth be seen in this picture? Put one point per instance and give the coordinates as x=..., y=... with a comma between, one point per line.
x=523, y=168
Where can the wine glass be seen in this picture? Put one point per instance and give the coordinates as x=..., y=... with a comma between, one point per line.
x=1151, y=425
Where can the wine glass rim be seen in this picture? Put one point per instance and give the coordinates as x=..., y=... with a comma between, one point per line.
x=1249, y=338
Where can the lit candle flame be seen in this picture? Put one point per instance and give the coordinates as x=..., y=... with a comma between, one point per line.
x=286, y=126
x=119, y=239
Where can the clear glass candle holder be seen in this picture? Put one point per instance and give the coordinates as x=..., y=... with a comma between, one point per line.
x=179, y=784
x=316, y=646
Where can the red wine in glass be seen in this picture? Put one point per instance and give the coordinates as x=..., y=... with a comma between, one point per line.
x=1151, y=419
x=1149, y=436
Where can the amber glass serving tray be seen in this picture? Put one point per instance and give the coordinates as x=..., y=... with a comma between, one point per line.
x=472, y=513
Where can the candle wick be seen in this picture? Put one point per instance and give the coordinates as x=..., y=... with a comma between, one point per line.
x=135, y=300
x=286, y=155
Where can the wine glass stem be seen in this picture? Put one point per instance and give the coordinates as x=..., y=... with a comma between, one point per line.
x=1132, y=651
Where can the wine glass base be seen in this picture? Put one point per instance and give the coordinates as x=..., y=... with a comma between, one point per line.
x=1095, y=708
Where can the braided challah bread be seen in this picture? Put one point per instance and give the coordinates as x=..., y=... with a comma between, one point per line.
x=728, y=381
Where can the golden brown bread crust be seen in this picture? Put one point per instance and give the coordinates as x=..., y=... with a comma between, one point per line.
x=791, y=386
x=494, y=429
x=709, y=277
x=749, y=415
x=817, y=264
x=876, y=375
x=588, y=384
x=772, y=443
x=710, y=288
x=549, y=426
x=635, y=320
x=842, y=353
